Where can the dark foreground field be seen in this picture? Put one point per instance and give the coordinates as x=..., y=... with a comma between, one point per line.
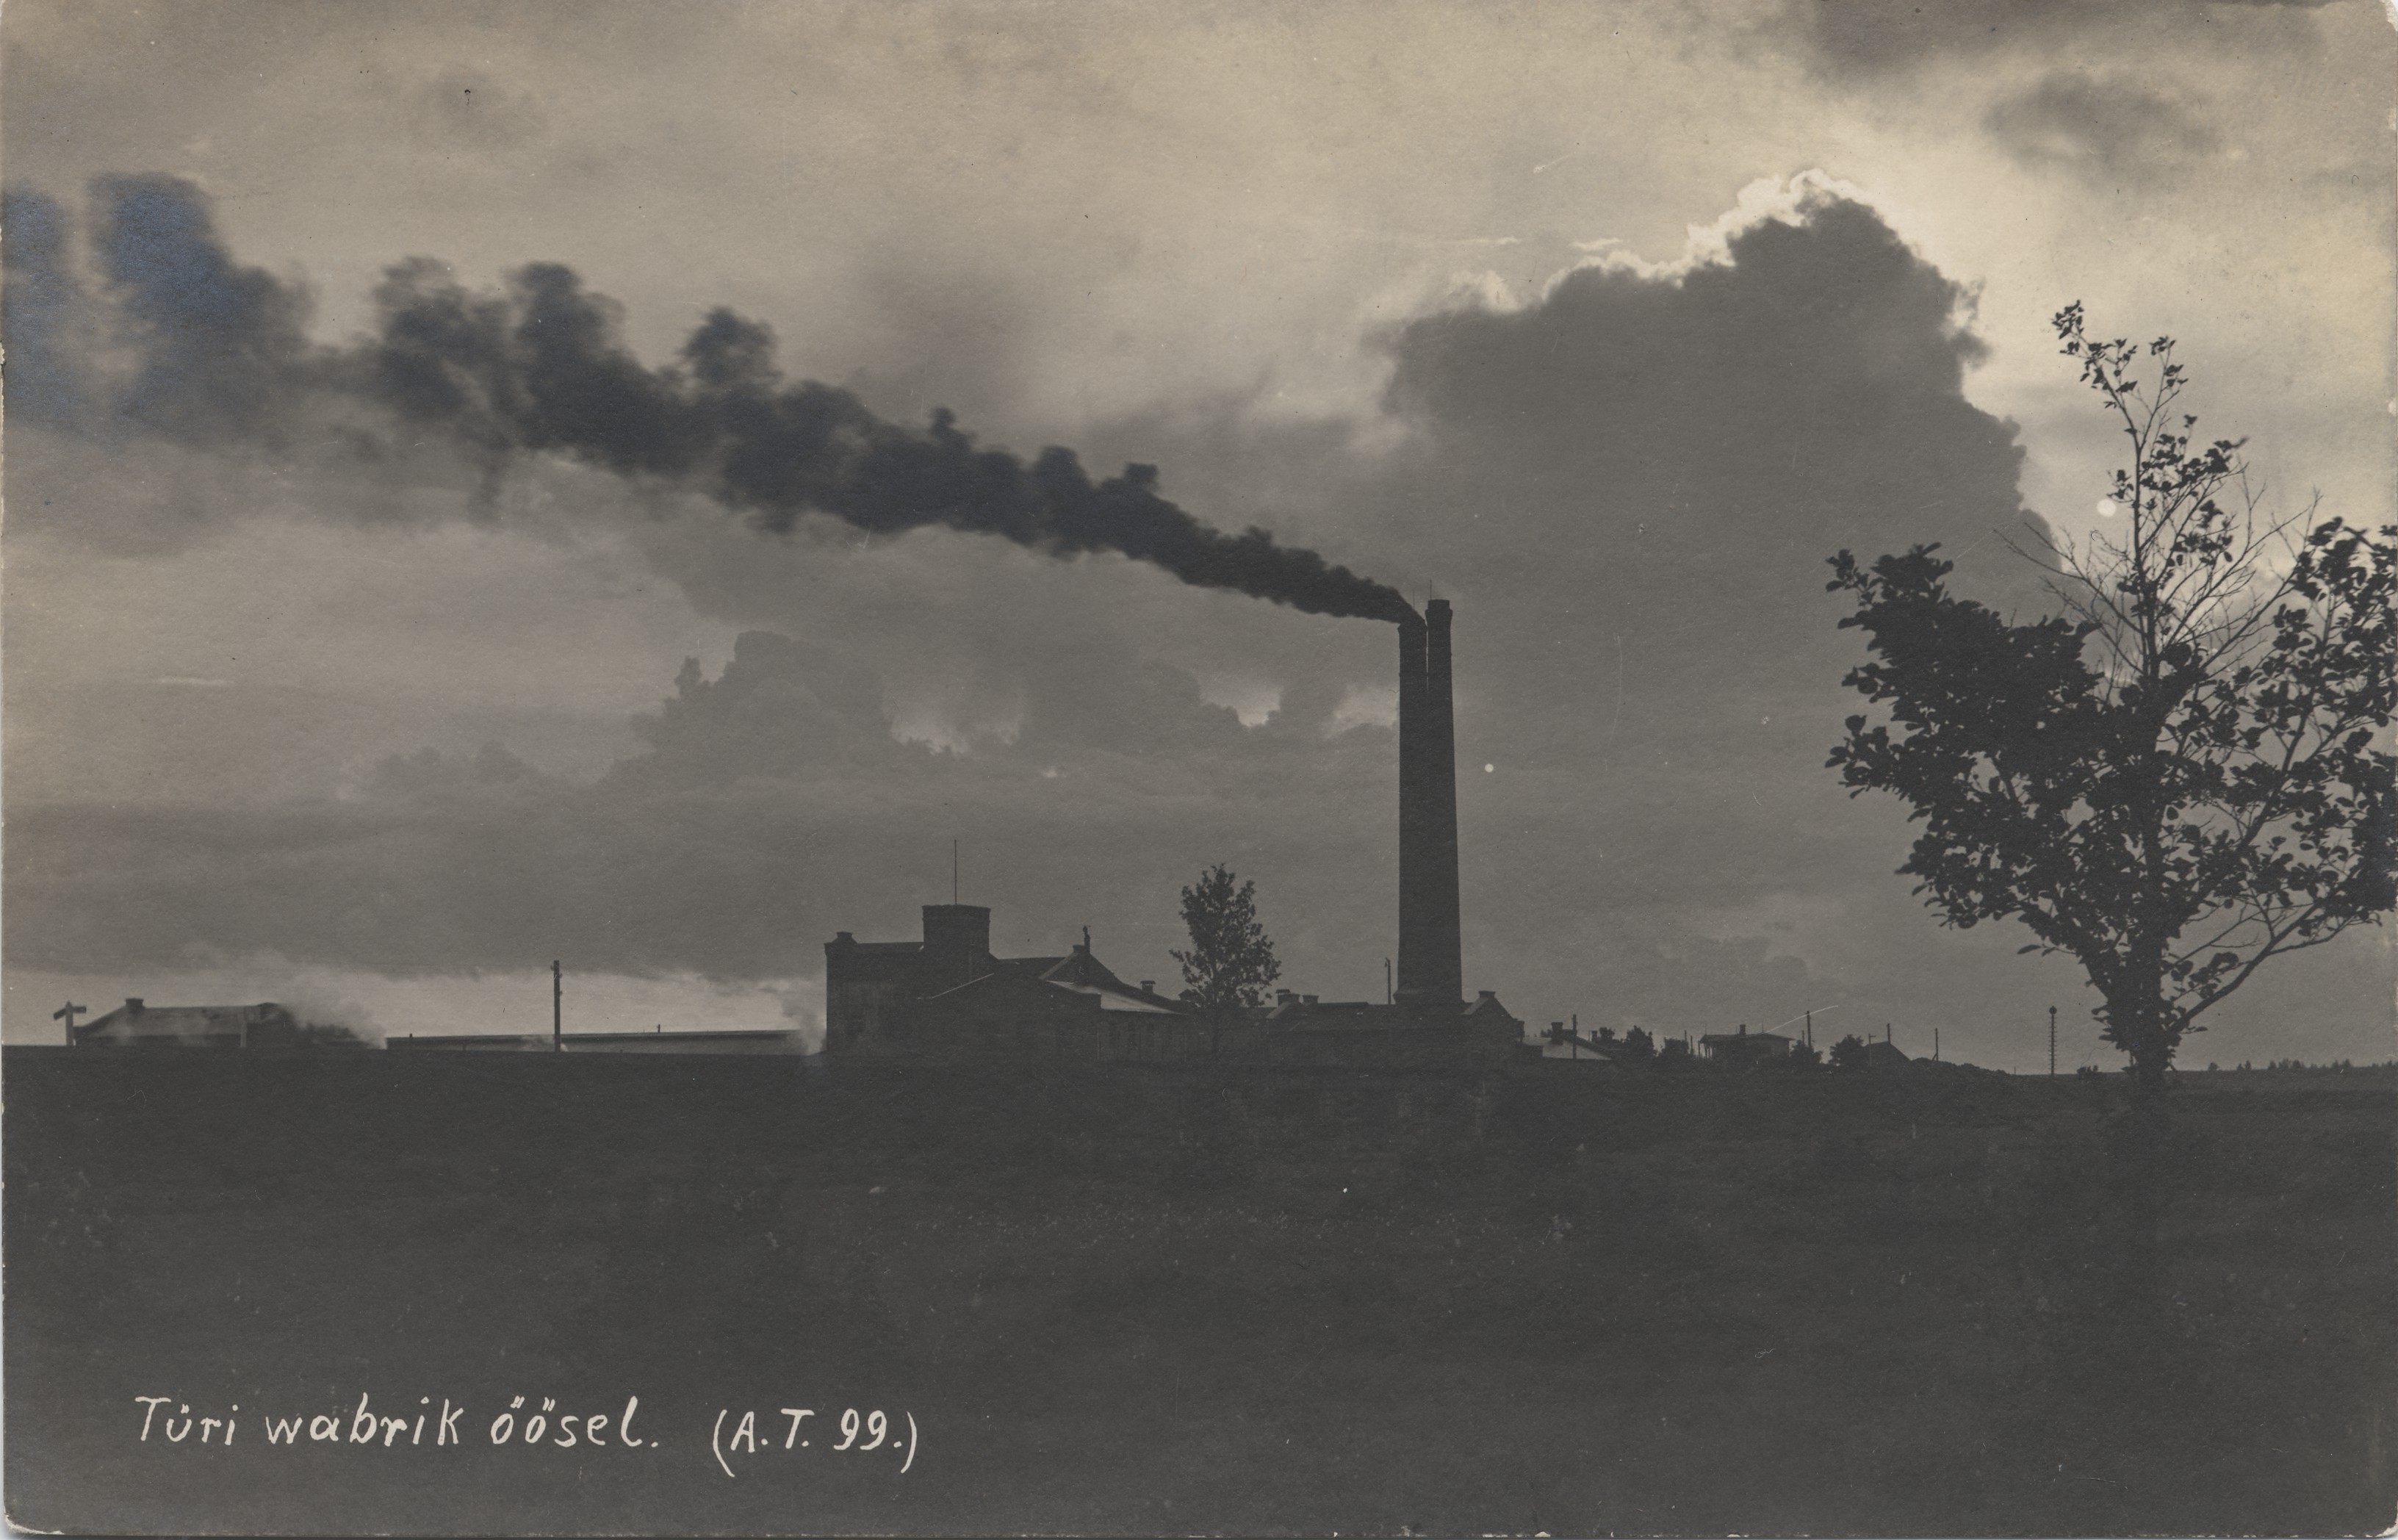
x=1126, y=1304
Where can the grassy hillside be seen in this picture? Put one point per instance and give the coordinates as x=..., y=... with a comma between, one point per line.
x=1135, y=1301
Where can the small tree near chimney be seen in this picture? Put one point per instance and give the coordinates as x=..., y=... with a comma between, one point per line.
x=1231, y=960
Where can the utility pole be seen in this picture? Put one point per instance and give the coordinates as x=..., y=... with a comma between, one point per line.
x=67, y=1013
x=1811, y=1028
x=953, y=874
x=556, y=1009
x=2051, y=1040
x=1935, y=1045
x=1388, y=994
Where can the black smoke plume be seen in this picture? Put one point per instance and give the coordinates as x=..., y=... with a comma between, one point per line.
x=540, y=367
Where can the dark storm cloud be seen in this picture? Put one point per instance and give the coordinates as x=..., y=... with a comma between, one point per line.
x=541, y=368
x=1675, y=455
x=1830, y=295
x=2111, y=127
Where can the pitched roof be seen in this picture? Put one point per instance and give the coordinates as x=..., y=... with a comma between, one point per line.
x=1081, y=972
x=1074, y=978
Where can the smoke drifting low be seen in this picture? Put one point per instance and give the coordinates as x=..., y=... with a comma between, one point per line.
x=220, y=356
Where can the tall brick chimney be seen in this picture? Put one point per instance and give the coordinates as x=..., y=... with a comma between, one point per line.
x=1430, y=950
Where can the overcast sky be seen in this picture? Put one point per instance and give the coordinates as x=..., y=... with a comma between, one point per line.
x=1609, y=323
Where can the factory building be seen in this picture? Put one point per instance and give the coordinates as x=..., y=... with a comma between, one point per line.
x=947, y=997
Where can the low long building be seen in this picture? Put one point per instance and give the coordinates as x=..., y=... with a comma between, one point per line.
x=138, y=1024
x=741, y=1040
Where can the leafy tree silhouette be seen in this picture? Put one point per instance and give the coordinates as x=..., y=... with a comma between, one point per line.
x=1849, y=1053
x=1231, y=960
x=2175, y=781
